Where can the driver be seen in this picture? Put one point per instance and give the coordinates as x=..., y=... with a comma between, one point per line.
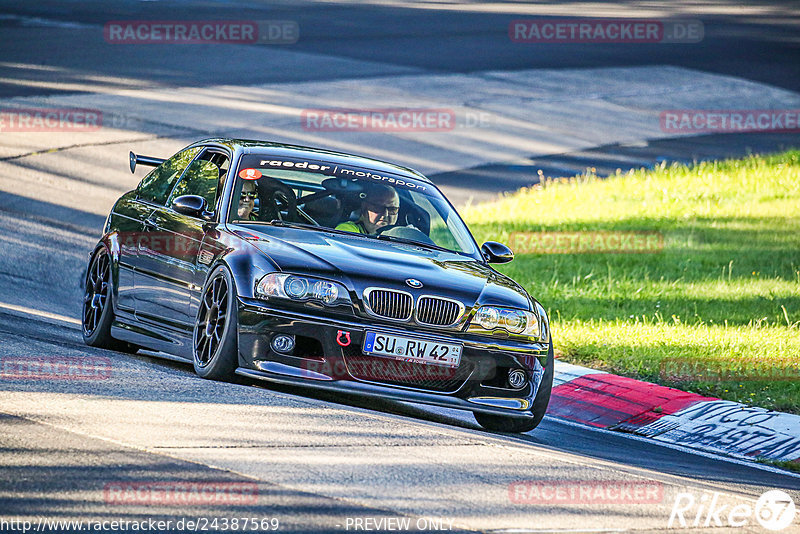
x=379, y=208
x=247, y=201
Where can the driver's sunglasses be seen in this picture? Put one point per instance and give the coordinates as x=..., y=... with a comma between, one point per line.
x=248, y=195
x=380, y=208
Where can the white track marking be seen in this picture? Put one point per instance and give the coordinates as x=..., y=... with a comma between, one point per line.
x=22, y=310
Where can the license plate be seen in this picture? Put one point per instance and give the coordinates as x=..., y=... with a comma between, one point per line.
x=412, y=350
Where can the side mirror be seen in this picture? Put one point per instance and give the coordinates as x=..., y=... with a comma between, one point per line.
x=191, y=205
x=494, y=252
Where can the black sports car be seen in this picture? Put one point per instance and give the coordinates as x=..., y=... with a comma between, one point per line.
x=304, y=266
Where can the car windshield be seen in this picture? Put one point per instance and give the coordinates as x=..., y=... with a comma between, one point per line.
x=350, y=199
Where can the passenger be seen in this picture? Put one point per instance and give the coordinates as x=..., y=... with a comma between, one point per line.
x=379, y=208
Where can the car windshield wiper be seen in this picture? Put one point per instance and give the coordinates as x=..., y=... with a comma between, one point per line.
x=411, y=242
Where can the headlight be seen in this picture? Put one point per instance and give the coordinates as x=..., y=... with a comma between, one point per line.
x=296, y=287
x=520, y=322
x=488, y=318
x=301, y=288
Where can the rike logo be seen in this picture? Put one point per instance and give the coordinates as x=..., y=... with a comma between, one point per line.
x=774, y=510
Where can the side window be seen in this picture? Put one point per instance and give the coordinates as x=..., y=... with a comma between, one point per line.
x=155, y=187
x=203, y=178
x=440, y=230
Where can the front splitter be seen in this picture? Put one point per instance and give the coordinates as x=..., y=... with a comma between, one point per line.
x=507, y=407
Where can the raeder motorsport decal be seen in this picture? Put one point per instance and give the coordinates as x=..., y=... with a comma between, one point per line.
x=337, y=170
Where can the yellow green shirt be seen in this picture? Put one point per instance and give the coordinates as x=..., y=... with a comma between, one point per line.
x=350, y=226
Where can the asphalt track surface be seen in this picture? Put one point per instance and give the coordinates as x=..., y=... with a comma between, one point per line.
x=754, y=40
x=316, y=461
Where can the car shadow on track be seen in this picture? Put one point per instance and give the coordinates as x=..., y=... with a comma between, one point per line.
x=145, y=376
x=560, y=435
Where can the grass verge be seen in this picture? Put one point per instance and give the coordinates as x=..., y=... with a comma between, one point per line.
x=789, y=466
x=705, y=299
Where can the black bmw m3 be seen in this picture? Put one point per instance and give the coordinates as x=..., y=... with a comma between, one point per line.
x=305, y=266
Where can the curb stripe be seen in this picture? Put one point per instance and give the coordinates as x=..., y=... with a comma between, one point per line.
x=607, y=400
x=564, y=372
x=665, y=414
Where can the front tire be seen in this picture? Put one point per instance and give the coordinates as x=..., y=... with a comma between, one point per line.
x=500, y=423
x=214, y=342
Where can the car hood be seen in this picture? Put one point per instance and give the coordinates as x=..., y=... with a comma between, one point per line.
x=361, y=262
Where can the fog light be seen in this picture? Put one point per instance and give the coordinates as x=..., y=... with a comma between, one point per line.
x=283, y=343
x=517, y=378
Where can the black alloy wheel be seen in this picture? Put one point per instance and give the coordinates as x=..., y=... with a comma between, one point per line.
x=98, y=284
x=97, y=314
x=214, y=340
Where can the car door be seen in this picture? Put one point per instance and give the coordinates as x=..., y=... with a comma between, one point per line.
x=173, y=259
x=128, y=220
x=151, y=198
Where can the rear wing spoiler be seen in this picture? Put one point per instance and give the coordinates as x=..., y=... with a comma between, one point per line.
x=144, y=160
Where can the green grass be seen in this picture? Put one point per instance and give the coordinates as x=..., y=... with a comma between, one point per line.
x=721, y=301
x=789, y=466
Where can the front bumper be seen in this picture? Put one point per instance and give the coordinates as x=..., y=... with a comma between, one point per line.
x=322, y=359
